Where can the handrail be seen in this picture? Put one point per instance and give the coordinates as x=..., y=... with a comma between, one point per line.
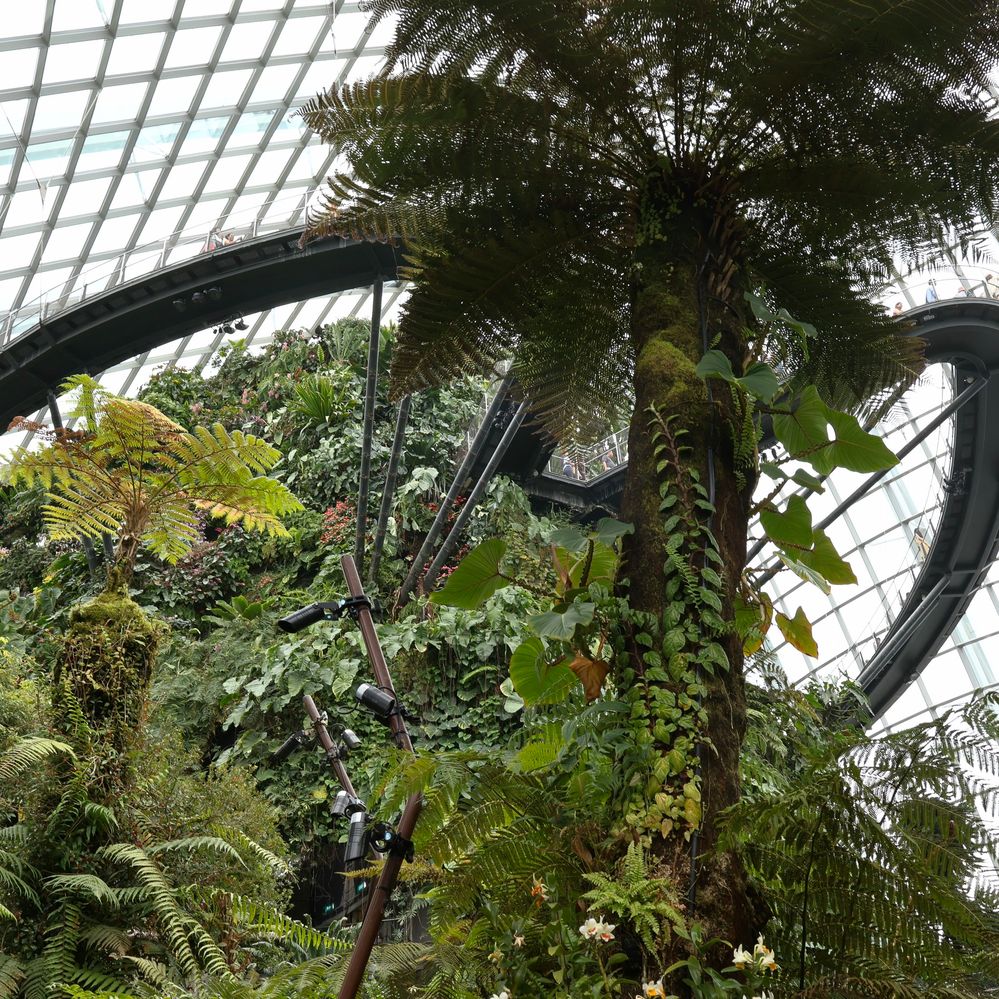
x=129, y=264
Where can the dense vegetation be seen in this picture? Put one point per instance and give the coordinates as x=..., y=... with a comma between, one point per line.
x=622, y=793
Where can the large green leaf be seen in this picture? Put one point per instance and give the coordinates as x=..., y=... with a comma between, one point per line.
x=806, y=573
x=826, y=561
x=535, y=679
x=759, y=380
x=562, y=624
x=798, y=631
x=477, y=577
x=792, y=528
x=853, y=448
x=608, y=530
x=804, y=429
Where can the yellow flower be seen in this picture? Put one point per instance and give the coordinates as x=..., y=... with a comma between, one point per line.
x=653, y=990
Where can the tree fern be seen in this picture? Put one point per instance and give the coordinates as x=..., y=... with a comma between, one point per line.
x=140, y=477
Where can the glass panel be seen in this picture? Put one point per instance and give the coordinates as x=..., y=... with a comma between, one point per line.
x=12, y=119
x=193, y=47
x=134, y=188
x=299, y=34
x=155, y=142
x=347, y=30
x=26, y=208
x=102, y=151
x=66, y=242
x=82, y=14
x=135, y=53
x=8, y=289
x=227, y=174
x=135, y=11
x=273, y=84
x=114, y=235
x=321, y=75
x=84, y=197
x=19, y=67
x=24, y=19
x=49, y=159
x=49, y=283
x=225, y=89
x=19, y=250
x=173, y=97
x=60, y=111
x=250, y=129
x=160, y=223
x=72, y=61
x=205, y=215
x=255, y=5
x=204, y=8
x=120, y=104
x=269, y=167
x=182, y=180
x=203, y=135
x=247, y=41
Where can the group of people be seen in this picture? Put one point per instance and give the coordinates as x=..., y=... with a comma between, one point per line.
x=582, y=469
x=989, y=288
x=216, y=240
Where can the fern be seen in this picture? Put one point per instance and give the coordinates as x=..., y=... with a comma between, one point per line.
x=138, y=476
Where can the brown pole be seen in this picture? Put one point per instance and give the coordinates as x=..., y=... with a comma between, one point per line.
x=372, y=921
x=332, y=754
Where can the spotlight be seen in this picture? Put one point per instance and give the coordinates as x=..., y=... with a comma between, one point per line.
x=198, y=297
x=302, y=618
x=289, y=746
x=351, y=739
x=226, y=328
x=382, y=837
x=357, y=840
x=375, y=699
x=215, y=293
x=241, y=324
x=345, y=804
x=179, y=304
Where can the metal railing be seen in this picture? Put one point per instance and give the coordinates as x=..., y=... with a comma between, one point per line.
x=146, y=259
x=583, y=463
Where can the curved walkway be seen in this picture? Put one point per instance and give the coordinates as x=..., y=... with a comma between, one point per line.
x=165, y=305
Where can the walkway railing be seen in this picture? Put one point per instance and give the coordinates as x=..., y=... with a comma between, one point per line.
x=134, y=263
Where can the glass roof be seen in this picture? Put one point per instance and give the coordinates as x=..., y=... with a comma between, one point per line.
x=129, y=129
x=127, y=123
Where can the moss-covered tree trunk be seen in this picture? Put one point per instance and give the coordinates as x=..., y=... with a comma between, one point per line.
x=667, y=341
x=105, y=666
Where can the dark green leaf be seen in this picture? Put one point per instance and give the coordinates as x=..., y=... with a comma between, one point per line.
x=476, y=579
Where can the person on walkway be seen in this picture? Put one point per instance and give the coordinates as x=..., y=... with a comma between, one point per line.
x=229, y=239
x=991, y=287
x=961, y=292
x=931, y=291
x=898, y=310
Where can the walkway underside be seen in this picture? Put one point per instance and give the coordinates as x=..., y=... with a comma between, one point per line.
x=271, y=271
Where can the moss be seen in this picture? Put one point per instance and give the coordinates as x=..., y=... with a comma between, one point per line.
x=106, y=664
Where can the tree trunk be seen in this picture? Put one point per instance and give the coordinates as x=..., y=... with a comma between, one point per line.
x=667, y=341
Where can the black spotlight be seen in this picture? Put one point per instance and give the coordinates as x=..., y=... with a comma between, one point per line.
x=179, y=304
x=357, y=841
x=240, y=324
x=289, y=746
x=345, y=804
x=351, y=740
x=302, y=618
x=198, y=297
x=226, y=328
x=375, y=699
x=382, y=837
x=215, y=293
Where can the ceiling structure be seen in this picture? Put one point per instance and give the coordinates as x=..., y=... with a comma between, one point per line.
x=132, y=129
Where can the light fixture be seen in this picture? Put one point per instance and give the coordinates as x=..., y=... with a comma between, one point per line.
x=179, y=304
x=357, y=839
x=382, y=837
x=292, y=743
x=198, y=297
x=345, y=804
x=302, y=618
x=215, y=293
x=226, y=328
x=376, y=700
x=241, y=324
x=351, y=740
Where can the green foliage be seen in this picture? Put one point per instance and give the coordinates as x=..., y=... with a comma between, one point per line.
x=868, y=847
x=132, y=472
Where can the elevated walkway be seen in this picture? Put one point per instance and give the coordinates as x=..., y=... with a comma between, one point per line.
x=111, y=326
